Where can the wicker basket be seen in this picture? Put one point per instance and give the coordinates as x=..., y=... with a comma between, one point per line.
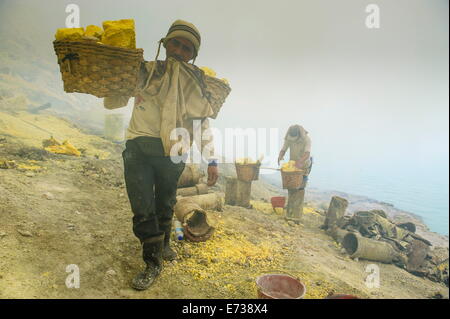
x=247, y=172
x=217, y=92
x=98, y=69
x=292, y=180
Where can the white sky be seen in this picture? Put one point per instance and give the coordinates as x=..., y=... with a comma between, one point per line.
x=362, y=93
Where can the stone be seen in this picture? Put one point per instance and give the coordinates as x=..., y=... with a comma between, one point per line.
x=48, y=196
x=111, y=272
x=25, y=233
x=203, y=261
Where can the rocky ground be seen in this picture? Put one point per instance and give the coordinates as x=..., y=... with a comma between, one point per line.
x=58, y=210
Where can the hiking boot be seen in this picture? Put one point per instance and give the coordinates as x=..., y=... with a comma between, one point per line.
x=168, y=253
x=152, y=255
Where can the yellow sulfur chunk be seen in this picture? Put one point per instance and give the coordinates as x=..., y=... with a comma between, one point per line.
x=69, y=34
x=93, y=31
x=245, y=160
x=225, y=81
x=124, y=38
x=290, y=167
x=121, y=24
x=119, y=33
x=66, y=148
x=208, y=71
x=28, y=167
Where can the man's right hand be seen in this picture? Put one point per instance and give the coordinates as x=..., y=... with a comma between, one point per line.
x=280, y=157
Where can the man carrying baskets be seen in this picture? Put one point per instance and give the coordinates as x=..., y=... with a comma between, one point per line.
x=299, y=145
x=170, y=96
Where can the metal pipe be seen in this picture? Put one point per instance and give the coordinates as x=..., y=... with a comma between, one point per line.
x=370, y=249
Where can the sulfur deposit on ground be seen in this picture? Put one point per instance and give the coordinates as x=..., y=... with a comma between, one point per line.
x=58, y=210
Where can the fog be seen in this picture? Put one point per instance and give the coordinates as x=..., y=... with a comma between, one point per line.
x=362, y=93
x=368, y=97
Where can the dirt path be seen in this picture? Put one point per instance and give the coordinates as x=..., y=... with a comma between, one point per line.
x=75, y=211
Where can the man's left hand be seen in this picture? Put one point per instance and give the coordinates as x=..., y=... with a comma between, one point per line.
x=213, y=175
x=299, y=164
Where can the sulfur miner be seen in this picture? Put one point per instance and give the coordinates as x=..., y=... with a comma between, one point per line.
x=170, y=96
x=299, y=144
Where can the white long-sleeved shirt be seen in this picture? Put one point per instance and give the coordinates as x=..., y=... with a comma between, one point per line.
x=145, y=119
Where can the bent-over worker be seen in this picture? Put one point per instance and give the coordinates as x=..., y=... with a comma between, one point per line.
x=299, y=144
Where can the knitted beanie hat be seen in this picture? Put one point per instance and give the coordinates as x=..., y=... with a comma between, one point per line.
x=186, y=30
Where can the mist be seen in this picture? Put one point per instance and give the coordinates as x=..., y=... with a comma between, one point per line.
x=371, y=99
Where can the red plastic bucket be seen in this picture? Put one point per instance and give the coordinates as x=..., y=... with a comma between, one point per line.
x=278, y=286
x=278, y=201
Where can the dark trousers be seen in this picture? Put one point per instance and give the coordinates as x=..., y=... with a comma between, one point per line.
x=151, y=180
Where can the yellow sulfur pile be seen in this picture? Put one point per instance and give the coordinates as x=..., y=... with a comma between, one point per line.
x=227, y=259
x=115, y=33
x=212, y=73
x=290, y=167
x=53, y=146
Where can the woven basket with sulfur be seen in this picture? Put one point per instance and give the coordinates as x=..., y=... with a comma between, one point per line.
x=292, y=180
x=217, y=91
x=98, y=69
x=247, y=172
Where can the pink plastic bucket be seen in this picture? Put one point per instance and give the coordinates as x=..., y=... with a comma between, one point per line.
x=278, y=286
